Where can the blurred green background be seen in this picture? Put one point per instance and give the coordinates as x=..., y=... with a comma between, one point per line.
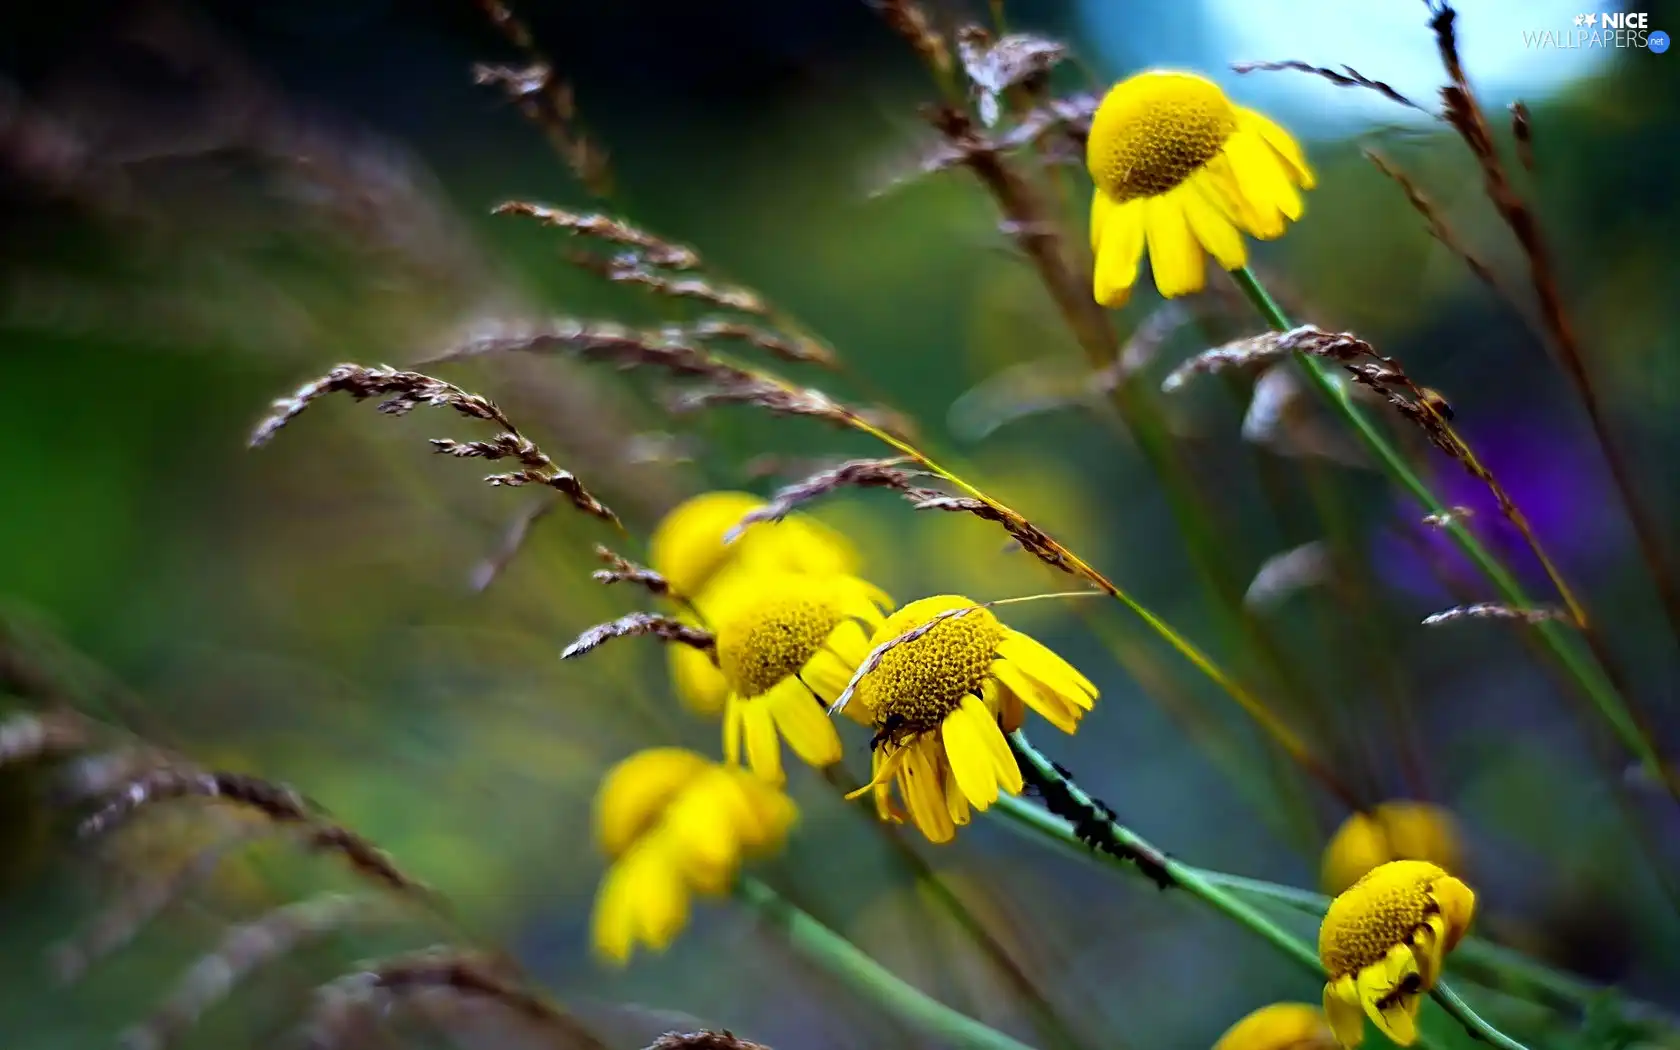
x=205, y=206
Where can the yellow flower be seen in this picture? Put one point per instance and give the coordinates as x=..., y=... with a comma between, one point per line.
x=1382, y=943
x=1180, y=168
x=1279, y=1026
x=687, y=548
x=787, y=645
x=936, y=702
x=673, y=823
x=1391, y=831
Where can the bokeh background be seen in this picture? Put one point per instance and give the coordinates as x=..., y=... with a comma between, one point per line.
x=205, y=205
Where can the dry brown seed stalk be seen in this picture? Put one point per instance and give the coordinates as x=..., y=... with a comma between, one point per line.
x=277, y=802
x=513, y=538
x=1494, y=611
x=545, y=100
x=243, y=951
x=861, y=473
x=1438, y=227
x=908, y=20
x=1069, y=117
x=1033, y=540
x=596, y=341
x=789, y=348
x=639, y=623
x=1465, y=115
x=1522, y=132
x=656, y=250
x=631, y=268
x=1348, y=77
x=403, y=391
x=784, y=399
x=468, y=976
x=703, y=1041
x=623, y=570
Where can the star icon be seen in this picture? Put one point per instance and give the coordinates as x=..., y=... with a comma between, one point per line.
x=1580, y=20
x=1592, y=20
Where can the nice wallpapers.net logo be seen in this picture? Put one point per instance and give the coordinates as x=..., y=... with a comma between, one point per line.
x=1601, y=29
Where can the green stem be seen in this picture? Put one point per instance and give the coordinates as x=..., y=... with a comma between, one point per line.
x=846, y=962
x=1586, y=673
x=1165, y=869
x=1460, y=1011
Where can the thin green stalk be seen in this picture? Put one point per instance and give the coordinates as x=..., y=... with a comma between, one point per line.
x=1165, y=869
x=1460, y=1011
x=1591, y=677
x=847, y=963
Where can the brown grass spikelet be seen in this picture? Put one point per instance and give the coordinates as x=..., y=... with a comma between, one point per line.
x=664, y=628
x=278, y=803
x=1069, y=119
x=603, y=341
x=465, y=978
x=859, y=473
x=631, y=268
x=724, y=1040
x=1348, y=77
x=1494, y=611
x=403, y=391
x=1437, y=224
x=877, y=654
x=910, y=21
x=798, y=348
x=243, y=950
x=994, y=67
x=654, y=249
x=545, y=100
x=1033, y=540
x=622, y=570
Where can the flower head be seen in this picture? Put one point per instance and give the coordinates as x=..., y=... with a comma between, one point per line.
x=936, y=702
x=1398, y=830
x=1279, y=1026
x=1382, y=943
x=688, y=549
x=1179, y=168
x=786, y=647
x=673, y=823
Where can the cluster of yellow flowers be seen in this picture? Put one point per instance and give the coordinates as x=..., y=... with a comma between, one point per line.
x=793, y=624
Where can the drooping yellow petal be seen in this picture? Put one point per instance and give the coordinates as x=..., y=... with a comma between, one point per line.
x=764, y=750
x=1389, y=993
x=1280, y=1026
x=1120, y=252
x=1261, y=175
x=1174, y=255
x=1342, y=1010
x=734, y=728
x=920, y=783
x=1458, y=906
x=1211, y=228
x=885, y=764
x=1283, y=144
x=1042, y=662
x=803, y=723
x=967, y=750
x=636, y=790
x=1429, y=946
x=1016, y=682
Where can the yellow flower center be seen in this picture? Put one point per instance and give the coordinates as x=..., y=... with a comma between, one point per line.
x=921, y=681
x=769, y=640
x=1154, y=130
x=1376, y=913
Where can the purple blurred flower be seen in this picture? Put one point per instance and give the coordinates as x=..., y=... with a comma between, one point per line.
x=1554, y=479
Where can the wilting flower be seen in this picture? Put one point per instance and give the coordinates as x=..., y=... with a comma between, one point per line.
x=673, y=823
x=937, y=701
x=1399, y=830
x=1280, y=1026
x=688, y=549
x=1179, y=168
x=787, y=644
x=1382, y=943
